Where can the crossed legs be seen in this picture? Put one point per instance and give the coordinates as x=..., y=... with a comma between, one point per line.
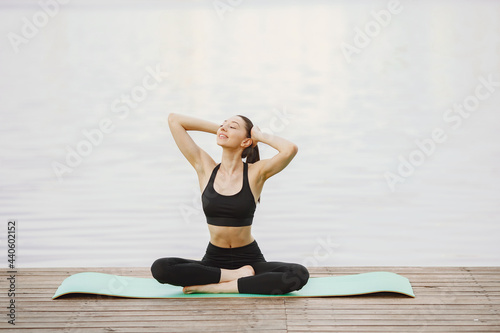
x=256, y=278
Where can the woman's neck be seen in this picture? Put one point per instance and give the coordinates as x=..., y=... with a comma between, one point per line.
x=231, y=161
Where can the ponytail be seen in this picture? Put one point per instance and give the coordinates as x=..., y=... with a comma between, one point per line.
x=251, y=153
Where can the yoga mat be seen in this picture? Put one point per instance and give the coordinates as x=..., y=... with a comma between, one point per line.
x=134, y=287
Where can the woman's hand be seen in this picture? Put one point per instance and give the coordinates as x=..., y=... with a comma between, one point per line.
x=286, y=152
x=256, y=135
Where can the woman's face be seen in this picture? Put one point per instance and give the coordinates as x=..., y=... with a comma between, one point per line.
x=232, y=133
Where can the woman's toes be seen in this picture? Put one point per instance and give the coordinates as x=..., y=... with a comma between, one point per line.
x=187, y=290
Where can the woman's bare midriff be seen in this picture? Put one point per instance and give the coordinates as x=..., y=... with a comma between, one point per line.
x=228, y=237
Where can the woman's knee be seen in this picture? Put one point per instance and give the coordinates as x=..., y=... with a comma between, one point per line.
x=160, y=269
x=301, y=275
x=294, y=279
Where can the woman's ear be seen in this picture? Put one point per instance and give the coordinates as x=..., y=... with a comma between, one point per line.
x=248, y=142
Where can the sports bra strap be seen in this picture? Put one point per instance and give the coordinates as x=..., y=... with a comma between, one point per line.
x=246, y=183
x=245, y=175
x=214, y=173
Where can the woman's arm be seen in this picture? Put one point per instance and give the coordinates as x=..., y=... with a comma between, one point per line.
x=179, y=125
x=286, y=152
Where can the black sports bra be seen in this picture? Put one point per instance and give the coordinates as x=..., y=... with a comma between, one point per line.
x=229, y=210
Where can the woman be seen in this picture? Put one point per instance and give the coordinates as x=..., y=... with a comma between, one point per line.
x=233, y=262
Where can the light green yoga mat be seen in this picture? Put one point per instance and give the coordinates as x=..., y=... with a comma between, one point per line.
x=125, y=286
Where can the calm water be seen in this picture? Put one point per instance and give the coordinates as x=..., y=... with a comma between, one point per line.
x=134, y=198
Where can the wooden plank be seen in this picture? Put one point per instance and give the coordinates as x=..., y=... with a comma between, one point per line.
x=391, y=328
x=313, y=319
x=193, y=324
x=154, y=329
x=157, y=328
x=475, y=313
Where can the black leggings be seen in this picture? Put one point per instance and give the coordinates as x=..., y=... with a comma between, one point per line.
x=271, y=278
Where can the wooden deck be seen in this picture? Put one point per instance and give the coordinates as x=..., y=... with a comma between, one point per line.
x=448, y=299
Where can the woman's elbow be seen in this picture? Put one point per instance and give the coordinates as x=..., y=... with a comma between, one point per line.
x=294, y=149
x=171, y=117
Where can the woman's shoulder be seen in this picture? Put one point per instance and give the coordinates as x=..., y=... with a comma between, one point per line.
x=255, y=170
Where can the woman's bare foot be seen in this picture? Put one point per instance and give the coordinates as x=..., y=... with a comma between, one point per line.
x=215, y=288
x=234, y=274
x=228, y=282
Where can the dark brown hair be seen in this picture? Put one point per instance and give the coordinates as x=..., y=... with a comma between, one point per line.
x=251, y=153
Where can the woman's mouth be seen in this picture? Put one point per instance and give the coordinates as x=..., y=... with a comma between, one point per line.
x=222, y=136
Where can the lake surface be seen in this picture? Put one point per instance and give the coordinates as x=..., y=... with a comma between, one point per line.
x=367, y=91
